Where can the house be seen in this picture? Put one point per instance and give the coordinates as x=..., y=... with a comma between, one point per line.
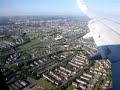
x=80, y=81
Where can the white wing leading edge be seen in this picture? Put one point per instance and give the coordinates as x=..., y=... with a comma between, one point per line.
x=85, y=9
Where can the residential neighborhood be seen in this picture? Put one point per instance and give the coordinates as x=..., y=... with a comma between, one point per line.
x=49, y=53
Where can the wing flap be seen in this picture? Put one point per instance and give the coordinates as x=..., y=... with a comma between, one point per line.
x=97, y=56
x=88, y=35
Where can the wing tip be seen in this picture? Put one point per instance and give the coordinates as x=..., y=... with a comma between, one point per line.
x=82, y=5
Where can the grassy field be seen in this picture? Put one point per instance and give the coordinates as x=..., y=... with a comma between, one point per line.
x=34, y=43
x=70, y=87
x=45, y=83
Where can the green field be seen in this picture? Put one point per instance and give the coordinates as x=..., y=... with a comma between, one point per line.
x=35, y=42
x=70, y=87
x=45, y=83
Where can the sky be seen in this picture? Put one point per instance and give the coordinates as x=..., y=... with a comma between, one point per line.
x=55, y=7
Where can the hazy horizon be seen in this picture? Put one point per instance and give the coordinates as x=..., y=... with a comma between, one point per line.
x=54, y=7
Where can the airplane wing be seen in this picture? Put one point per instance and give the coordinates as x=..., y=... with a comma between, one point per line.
x=106, y=34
